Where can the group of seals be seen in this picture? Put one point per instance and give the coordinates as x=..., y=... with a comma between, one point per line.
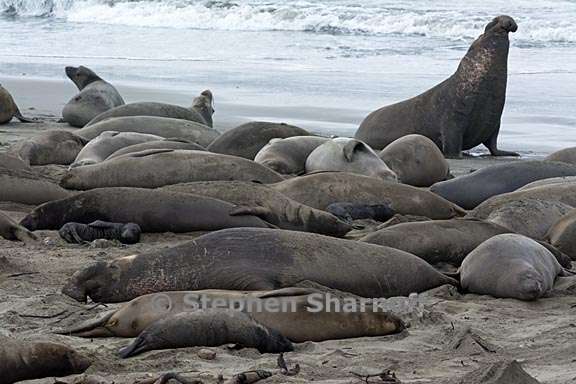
x=80, y=233
x=9, y=109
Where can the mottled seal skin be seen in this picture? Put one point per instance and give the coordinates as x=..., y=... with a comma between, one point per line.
x=355, y=211
x=25, y=360
x=562, y=234
x=12, y=231
x=95, y=96
x=566, y=155
x=157, y=144
x=288, y=156
x=25, y=187
x=462, y=111
x=471, y=190
x=247, y=139
x=157, y=168
x=79, y=233
x=510, y=266
x=349, y=155
x=251, y=259
x=208, y=329
x=98, y=149
x=319, y=190
x=549, y=181
x=416, y=160
x=195, y=113
x=268, y=204
x=50, y=147
x=9, y=109
x=152, y=210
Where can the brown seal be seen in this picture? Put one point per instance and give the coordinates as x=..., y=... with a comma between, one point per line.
x=9, y=109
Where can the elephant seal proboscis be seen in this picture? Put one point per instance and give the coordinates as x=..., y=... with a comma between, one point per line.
x=96, y=96
x=566, y=155
x=208, y=329
x=268, y=204
x=50, y=147
x=357, y=211
x=10, y=230
x=9, y=109
x=158, y=144
x=470, y=190
x=78, y=233
x=510, y=266
x=25, y=187
x=562, y=234
x=462, y=111
x=195, y=113
x=152, y=210
x=288, y=156
x=416, y=160
x=349, y=155
x=24, y=360
x=159, y=167
x=247, y=139
x=549, y=181
x=251, y=259
x=319, y=190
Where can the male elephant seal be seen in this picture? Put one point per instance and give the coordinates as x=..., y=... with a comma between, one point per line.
x=25, y=360
x=78, y=233
x=196, y=112
x=416, y=160
x=348, y=155
x=25, y=187
x=562, y=234
x=319, y=190
x=510, y=266
x=258, y=259
x=157, y=144
x=9, y=109
x=288, y=156
x=50, y=147
x=156, y=168
x=470, y=190
x=566, y=155
x=462, y=111
x=247, y=139
x=152, y=210
x=12, y=231
x=96, y=96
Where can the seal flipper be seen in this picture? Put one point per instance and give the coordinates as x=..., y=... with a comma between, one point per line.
x=351, y=147
x=263, y=213
x=91, y=328
x=138, y=346
x=25, y=235
x=19, y=116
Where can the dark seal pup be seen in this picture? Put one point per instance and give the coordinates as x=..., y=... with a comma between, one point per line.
x=9, y=109
x=80, y=233
x=459, y=113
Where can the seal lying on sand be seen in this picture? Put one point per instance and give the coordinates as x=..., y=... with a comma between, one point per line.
x=25, y=187
x=566, y=155
x=13, y=162
x=288, y=156
x=549, y=181
x=9, y=109
x=80, y=233
x=12, y=231
x=462, y=111
x=157, y=144
x=50, y=147
x=258, y=259
x=96, y=96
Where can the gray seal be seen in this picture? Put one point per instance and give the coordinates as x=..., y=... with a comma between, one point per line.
x=9, y=109
x=25, y=187
x=10, y=230
x=288, y=156
x=78, y=233
x=462, y=111
x=157, y=144
x=50, y=147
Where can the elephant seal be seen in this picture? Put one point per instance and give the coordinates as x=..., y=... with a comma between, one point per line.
x=13, y=162
x=268, y=204
x=288, y=156
x=250, y=259
x=78, y=233
x=157, y=144
x=98, y=149
x=355, y=211
x=319, y=190
x=152, y=210
x=566, y=155
x=50, y=147
x=25, y=360
x=9, y=109
x=208, y=329
x=348, y=155
x=195, y=113
x=562, y=234
x=306, y=316
x=549, y=181
x=96, y=96
x=12, y=231
x=159, y=167
x=470, y=190
x=247, y=139
x=416, y=160
x=510, y=266
x=462, y=111
x=25, y=187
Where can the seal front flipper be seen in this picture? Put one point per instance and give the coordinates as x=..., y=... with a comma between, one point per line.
x=492, y=145
x=263, y=213
x=19, y=116
x=91, y=328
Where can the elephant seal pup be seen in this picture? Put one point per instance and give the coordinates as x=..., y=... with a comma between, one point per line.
x=462, y=111
x=562, y=234
x=208, y=329
x=566, y=155
x=349, y=155
x=416, y=160
x=252, y=259
x=354, y=211
x=268, y=204
x=25, y=187
x=510, y=266
x=550, y=181
x=98, y=149
x=470, y=190
x=50, y=147
x=149, y=169
x=195, y=113
x=247, y=139
x=319, y=190
x=25, y=360
x=9, y=109
x=12, y=231
x=157, y=144
x=78, y=233
x=152, y=210
x=96, y=96
x=288, y=156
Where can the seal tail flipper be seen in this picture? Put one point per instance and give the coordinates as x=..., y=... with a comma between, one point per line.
x=19, y=116
x=133, y=349
x=91, y=328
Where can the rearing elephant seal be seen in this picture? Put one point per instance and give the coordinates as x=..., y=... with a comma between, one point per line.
x=96, y=96
x=9, y=109
x=462, y=111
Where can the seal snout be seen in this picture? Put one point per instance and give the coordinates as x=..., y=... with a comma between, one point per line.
x=505, y=23
x=71, y=71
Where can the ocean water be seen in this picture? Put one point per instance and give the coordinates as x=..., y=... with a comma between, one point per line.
x=323, y=64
